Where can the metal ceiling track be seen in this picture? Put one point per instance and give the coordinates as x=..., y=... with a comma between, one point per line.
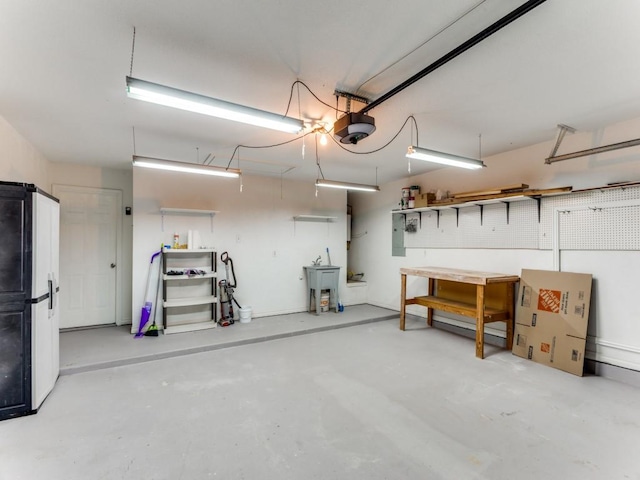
x=487, y=32
x=593, y=151
x=349, y=97
x=562, y=130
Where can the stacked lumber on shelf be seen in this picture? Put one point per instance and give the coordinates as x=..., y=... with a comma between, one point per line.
x=519, y=187
x=520, y=190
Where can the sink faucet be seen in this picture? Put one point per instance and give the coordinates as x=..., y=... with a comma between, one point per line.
x=317, y=261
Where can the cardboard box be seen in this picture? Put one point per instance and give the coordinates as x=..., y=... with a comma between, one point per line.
x=424, y=200
x=552, y=314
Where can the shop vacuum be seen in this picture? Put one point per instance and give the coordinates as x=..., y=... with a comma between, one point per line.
x=226, y=292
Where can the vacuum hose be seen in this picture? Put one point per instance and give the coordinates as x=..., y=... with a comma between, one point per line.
x=224, y=258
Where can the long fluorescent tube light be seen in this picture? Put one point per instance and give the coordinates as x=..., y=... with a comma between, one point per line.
x=171, y=165
x=442, y=158
x=193, y=102
x=347, y=185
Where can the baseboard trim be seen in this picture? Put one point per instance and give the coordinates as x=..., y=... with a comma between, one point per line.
x=594, y=364
x=612, y=372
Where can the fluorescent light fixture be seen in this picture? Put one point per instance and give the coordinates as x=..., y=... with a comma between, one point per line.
x=427, y=155
x=347, y=185
x=193, y=102
x=173, y=166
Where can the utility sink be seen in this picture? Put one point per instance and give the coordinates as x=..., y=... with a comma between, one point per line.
x=322, y=277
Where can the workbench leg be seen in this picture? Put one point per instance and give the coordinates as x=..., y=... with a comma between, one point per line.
x=403, y=298
x=480, y=321
x=511, y=319
x=430, y=291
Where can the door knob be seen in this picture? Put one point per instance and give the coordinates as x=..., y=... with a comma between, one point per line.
x=113, y=265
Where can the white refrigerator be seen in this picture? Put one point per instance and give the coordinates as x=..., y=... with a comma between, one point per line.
x=29, y=312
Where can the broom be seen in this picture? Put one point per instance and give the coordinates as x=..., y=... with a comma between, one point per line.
x=152, y=331
x=146, y=310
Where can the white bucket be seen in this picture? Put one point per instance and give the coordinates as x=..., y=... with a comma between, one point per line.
x=245, y=314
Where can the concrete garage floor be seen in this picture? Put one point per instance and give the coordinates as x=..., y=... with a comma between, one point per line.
x=364, y=402
x=83, y=350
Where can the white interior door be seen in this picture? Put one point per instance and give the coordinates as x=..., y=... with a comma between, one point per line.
x=89, y=231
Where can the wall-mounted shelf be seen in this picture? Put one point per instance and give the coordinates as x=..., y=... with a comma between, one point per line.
x=620, y=185
x=483, y=200
x=314, y=218
x=187, y=212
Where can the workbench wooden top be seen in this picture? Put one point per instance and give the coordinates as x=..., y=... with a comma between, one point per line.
x=460, y=275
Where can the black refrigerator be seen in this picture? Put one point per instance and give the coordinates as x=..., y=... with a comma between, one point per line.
x=29, y=313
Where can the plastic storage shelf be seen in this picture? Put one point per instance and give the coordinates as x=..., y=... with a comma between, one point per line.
x=184, y=296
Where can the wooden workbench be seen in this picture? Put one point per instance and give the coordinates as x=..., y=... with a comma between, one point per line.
x=487, y=297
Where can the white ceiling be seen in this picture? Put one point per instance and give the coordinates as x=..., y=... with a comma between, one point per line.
x=63, y=66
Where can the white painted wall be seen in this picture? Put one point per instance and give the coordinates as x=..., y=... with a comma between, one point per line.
x=258, y=222
x=614, y=331
x=255, y=227
x=20, y=161
x=112, y=179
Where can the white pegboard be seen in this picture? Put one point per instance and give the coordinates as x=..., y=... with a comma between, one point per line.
x=586, y=225
x=600, y=228
x=476, y=227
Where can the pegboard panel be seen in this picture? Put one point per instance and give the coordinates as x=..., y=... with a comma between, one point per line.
x=419, y=238
x=442, y=233
x=614, y=229
x=473, y=227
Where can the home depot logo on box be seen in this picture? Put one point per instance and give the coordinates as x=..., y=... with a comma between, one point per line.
x=549, y=300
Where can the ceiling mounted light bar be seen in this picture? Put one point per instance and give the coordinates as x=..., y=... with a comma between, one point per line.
x=442, y=158
x=347, y=186
x=173, y=166
x=193, y=102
